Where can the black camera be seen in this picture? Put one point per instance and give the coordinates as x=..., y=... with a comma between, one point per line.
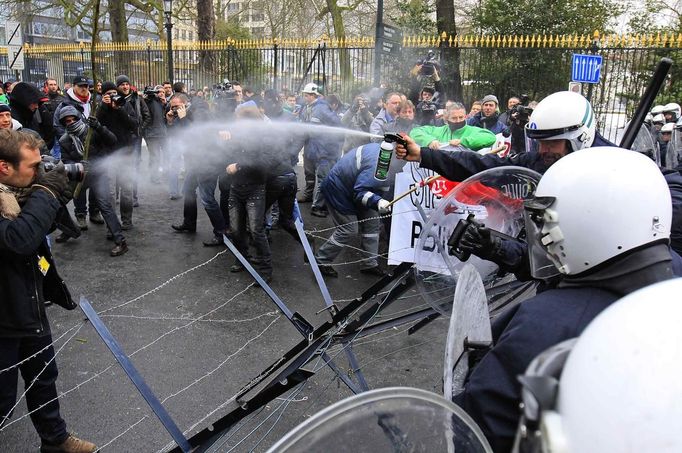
x=149, y=92
x=520, y=113
x=429, y=65
x=75, y=172
x=118, y=100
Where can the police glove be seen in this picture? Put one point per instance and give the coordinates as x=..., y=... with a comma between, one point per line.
x=56, y=183
x=384, y=207
x=478, y=240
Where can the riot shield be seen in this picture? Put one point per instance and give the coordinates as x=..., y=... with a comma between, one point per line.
x=494, y=198
x=469, y=330
x=392, y=420
x=674, y=153
x=644, y=143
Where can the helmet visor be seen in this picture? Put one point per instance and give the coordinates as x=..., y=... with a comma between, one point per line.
x=541, y=265
x=546, y=134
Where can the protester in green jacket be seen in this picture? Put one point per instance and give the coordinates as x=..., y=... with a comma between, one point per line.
x=455, y=132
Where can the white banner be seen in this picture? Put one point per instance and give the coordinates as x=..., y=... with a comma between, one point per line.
x=407, y=223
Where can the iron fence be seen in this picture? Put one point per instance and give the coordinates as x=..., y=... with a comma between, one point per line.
x=471, y=67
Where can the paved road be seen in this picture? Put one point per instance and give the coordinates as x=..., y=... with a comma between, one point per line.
x=198, y=333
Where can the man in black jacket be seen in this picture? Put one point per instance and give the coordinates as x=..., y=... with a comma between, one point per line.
x=155, y=133
x=138, y=110
x=102, y=143
x=28, y=107
x=29, y=202
x=118, y=119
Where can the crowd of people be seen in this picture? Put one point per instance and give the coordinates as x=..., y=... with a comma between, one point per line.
x=204, y=138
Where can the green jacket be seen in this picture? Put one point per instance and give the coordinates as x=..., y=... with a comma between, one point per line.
x=471, y=137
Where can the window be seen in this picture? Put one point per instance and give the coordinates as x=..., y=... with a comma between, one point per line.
x=257, y=32
x=233, y=7
x=39, y=28
x=257, y=17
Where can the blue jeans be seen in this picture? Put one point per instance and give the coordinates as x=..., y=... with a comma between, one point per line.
x=47, y=420
x=247, y=204
x=207, y=184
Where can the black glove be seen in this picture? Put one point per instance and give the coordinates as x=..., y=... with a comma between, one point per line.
x=94, y=123
x=478, y=241
x=56, y=183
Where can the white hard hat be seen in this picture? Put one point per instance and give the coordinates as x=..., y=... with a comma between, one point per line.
x=563, y=115
x=657, y=109
x=659, y=118
x=311, y=88
x=668, y=127
x=586, y=209
x=620, y=387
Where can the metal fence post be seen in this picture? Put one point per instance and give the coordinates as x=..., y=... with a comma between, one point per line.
x=275, y=66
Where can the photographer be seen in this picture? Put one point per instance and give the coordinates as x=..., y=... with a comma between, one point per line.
x=137, y=109
x=116, y=117
x=155, y=133
x=97, y=179
x=29, y=203
x=518, y=118
x=427, y=107
x=357, y=118
x=511, y=102
x=227, y=97
x=424, y=73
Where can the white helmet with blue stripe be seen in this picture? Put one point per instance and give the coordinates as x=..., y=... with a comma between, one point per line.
x=563, y=115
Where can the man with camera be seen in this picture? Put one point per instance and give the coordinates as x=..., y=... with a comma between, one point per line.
x=155, y=133
x=29, y=202
x=103, y=141
x=427, y=107
x=138, y=110
x=114, y=113
x=358, y=118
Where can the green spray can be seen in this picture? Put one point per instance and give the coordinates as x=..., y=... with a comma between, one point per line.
x=384, y=161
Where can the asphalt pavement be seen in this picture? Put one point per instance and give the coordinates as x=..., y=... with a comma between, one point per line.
x=197, y=333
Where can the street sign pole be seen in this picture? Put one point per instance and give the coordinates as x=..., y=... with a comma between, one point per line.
x=377, y=43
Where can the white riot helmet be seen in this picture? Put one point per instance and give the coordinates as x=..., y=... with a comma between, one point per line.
x=311, y=88
x=673, y=108
x=658, y=109
x=668, y=127
x=620, y=390
x=659, y=119
x=563, y=115
x=586, y=209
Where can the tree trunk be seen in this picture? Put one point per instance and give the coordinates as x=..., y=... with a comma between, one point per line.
x=119, y=33
x=450, y=56
x=206, y=32
x=340, y=33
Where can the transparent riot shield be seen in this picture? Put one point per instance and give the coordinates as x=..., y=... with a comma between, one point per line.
x=494, y=198
x=674, y=153
x=391, y=420
x=644, y=143
x=469, y=330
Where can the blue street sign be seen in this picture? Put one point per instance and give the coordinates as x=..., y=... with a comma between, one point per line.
x=586, y=68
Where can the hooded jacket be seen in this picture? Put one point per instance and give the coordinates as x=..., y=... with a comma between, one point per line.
x=73, y=100
x=102, y=143
x=22, y=96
